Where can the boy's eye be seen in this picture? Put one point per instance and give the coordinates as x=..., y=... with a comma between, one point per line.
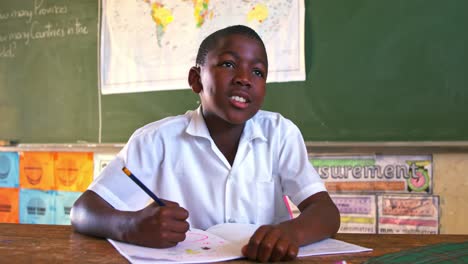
x=258, y=73
x=227, y=64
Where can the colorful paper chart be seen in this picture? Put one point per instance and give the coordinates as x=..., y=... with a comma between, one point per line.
x=375, y=173
x=73, y=170
x=9, y=205
x=37, y=170
x=37, y=207
x=9, y=163
x=408, y=214
x=358, y=213
x=63, y=204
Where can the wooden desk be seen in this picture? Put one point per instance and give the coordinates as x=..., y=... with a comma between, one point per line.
x=22, y=243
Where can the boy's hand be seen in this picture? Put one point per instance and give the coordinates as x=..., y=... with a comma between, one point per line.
x=271, y=243
x=158, y=226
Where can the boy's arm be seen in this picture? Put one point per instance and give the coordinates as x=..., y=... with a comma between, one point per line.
x=319, y=219
x=153, y=226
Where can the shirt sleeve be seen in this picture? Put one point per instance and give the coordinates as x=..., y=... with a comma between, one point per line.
x=299, y=178
x=114, y=186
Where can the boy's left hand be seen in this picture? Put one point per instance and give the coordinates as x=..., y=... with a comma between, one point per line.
x=271, y=243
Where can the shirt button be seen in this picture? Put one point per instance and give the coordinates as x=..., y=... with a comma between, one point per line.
x=231, y=220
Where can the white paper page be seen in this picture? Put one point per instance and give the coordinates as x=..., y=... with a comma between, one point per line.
x=330, y=246
x=219, y=243
x=241, y=233
x=236, y=233
x=199, y=246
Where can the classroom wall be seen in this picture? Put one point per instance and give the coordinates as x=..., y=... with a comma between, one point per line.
x=451, y=183
x=450, y=179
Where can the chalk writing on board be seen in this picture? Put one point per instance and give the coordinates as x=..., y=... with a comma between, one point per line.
x=42, y=21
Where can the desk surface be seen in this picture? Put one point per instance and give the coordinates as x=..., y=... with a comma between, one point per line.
x=22, y=243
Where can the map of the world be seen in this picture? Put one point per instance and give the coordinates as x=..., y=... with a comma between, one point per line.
x=151, y=44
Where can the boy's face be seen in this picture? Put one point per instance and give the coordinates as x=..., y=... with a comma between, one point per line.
x=232, y=81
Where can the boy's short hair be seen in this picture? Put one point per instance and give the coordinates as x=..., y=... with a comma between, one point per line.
x=209, y=42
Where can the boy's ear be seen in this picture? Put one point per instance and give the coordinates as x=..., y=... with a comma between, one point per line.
x=194, y=79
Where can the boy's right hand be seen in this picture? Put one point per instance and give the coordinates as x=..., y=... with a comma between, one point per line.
x=157, y=226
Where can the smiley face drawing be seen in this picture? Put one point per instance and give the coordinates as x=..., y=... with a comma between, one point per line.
x=33, y=171
x=67, y=171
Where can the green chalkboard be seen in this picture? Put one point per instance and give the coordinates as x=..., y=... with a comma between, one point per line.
x=48, y=70
x=377, y=70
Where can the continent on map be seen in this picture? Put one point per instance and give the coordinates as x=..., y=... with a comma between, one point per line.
x=162, y=17
x=259, y=12
x=201, y=11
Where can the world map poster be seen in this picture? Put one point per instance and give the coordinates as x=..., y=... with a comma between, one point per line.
x=150, y=45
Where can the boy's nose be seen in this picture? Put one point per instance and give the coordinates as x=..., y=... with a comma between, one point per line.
x=242, y=78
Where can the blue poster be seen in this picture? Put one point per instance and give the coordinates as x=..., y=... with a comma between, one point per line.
x=63, y=204
x=9, y=172
x=37, y=207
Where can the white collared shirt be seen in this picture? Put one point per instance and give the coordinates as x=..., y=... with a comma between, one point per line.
x=178, y=160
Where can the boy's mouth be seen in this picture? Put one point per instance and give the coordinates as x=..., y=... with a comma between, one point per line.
x=239, y=101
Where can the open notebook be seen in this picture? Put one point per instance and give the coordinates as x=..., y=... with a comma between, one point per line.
x=219, y=243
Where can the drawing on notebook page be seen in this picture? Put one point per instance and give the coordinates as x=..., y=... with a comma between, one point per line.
x=219, y=243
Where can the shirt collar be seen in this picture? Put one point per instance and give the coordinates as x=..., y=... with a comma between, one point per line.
x=197, y=127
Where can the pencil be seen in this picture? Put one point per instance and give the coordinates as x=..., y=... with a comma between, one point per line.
x=143, y=187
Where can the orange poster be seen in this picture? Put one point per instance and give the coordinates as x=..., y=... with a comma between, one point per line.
x=9, y=205
x=37, y=170
x=73, y=170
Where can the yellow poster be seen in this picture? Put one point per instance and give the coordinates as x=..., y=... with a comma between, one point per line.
x=73, y=170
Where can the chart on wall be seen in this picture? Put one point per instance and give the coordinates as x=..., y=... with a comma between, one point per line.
x=149, y=45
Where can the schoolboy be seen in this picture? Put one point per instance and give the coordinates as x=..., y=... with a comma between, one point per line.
x=228, y=161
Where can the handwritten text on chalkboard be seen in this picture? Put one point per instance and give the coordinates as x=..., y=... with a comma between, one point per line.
x=42, y=20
